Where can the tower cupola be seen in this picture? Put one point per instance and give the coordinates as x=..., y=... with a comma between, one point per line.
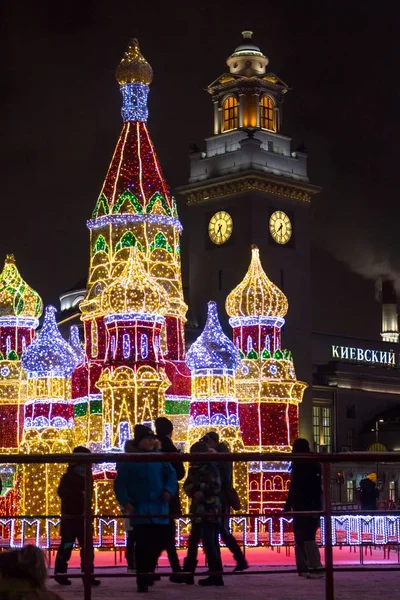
x=247, y=59
x=134, y=75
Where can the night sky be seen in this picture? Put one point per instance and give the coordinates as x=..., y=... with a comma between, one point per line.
x=60, y=120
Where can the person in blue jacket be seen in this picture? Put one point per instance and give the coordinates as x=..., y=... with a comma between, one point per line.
x=146, y=488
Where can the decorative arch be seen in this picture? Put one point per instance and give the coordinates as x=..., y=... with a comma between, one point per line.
x=100, y=244
x=158, y=199
x=128, y=240
x=267, y=113
x=160, y=241
x=127, y=203
x=230, y=113
x=277, y=483
x=102, y=207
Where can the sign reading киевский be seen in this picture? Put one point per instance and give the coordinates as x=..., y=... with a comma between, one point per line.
x=378, y=357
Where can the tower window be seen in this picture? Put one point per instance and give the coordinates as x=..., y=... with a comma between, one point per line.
x=126, y=345
x=267, y=113
x=230, y=114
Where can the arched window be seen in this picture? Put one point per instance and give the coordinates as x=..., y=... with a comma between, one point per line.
x=126, y=346
x=144, y=345
x=230, y=114
x=267, y=113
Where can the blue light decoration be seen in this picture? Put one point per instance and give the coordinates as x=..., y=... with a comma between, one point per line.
x=75, y=343
x=212, y=349
x=49, y=355
x=134, y=98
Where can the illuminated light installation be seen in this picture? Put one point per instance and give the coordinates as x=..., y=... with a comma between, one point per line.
x=266, y=386
x=213, y=360
x=75, y=343
x=48, y=416
x=20, y=309
x=134, y=210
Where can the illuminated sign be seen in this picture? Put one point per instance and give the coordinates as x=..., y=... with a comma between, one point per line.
x=377, y=357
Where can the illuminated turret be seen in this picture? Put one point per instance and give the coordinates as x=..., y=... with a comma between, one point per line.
x=266, y=386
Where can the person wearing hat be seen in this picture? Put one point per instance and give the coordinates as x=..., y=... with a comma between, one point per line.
x=145, y=489
x=72, y=493
x=369, y=493
x=226, y=474
x=164, y=430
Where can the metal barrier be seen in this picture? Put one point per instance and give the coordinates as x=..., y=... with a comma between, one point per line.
x=325, y=459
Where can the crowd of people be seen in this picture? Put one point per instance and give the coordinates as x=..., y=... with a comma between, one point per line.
x=148, y=495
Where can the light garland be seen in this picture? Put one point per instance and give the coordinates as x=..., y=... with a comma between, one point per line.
x=126, y=219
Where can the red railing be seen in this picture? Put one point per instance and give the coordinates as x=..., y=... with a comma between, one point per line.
x=326, y=459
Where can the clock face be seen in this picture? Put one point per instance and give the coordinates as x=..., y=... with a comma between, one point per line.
x=220, y=227
x=280, y=227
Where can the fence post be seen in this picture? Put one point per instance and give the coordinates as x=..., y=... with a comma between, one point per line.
x=88, y=535
x=329, y=589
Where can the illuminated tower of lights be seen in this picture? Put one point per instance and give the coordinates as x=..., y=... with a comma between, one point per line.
x=134, y=381
x=20, y=309
x=213, y=360
x=134, y=209
x=48, y=416
x=266, y=386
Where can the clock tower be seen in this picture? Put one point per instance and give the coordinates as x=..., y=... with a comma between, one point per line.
x=249, y=187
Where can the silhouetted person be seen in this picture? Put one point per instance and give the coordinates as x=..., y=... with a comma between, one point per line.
x=226, y=473
x=369, y=493
x=203, y=487
x=146, y=488
x=72, y=493
x=128, y=527
x=164, y=430
x=305, y=494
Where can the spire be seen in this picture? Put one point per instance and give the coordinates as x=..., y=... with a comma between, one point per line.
x=134, y=182
x=256, y=295
x=75, y=343
x=134, y=75
x=17, y=299
x=212, y=349
x=49, y=355
x=134, y=292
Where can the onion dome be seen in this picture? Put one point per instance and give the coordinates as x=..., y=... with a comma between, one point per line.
x=134, y=68
x=212, y=349
x=75, y=343
x=17, y=299
x=134, y=292
x=49, y=355
x=256, y=295
x=247, y=59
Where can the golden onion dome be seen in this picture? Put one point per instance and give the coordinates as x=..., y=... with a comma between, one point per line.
x=135, y=291
x=256, y=295
x=17, y=299
x=134, y=68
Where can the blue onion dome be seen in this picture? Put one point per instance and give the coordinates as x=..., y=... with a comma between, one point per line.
x=49, y=355
x=75, y=343
x=212, y=349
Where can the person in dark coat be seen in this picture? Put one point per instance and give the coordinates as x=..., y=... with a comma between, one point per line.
x=203, y=487
x=129, y=529
x=72, y=493
x=145, y=489
x=164, y=430
x=305, y=494
x=369, y=493
x=226, y=473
